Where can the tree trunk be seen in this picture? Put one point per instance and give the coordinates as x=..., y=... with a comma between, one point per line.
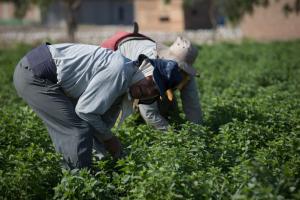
x=72, y=7
x=212, y=18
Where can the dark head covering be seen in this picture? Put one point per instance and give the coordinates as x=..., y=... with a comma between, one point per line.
x=166, y=74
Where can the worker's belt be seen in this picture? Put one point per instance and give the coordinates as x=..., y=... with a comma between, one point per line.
x=41, y=63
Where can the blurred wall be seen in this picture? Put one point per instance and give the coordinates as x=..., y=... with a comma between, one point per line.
x=7, y=10
x=271, y=23
x=196, y=16
x=156, y=15
x=104, y=12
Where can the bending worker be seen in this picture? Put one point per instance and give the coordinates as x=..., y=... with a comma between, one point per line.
x=79, y=90
x=154, y=112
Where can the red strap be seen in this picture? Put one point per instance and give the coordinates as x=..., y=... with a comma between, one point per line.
x=113, y=41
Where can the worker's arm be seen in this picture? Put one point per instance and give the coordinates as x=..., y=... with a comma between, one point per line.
x=191, y=102
x=151, y=115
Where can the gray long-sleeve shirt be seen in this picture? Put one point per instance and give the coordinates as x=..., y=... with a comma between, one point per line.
x=97, y=77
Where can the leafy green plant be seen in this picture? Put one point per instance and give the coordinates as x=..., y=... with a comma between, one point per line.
x=247, y=148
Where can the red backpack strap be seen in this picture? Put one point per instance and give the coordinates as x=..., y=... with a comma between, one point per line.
x=113, y=42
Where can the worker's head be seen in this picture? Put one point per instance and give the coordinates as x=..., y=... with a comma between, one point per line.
x=182, y=51
x=158, y=76
x=144, y=89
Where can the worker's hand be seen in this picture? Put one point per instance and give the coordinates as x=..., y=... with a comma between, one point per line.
x=114, y=147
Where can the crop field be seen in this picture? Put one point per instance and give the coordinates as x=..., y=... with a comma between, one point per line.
x=247, y=148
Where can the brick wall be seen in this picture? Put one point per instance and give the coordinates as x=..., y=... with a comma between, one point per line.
x=271, y=24
x=155, y=15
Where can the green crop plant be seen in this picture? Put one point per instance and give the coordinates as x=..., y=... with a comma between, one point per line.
x=247, y=148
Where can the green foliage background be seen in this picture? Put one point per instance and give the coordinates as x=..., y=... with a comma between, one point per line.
x=248, y=147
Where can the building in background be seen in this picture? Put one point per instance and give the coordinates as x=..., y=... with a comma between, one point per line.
x=172, y=16
x=104, y=12
x=151, y=14
x=271, y=23
x=268, y=23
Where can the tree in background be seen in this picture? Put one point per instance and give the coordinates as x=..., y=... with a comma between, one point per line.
x=71, y=7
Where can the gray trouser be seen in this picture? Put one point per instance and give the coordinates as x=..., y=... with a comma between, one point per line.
x=72, y=137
